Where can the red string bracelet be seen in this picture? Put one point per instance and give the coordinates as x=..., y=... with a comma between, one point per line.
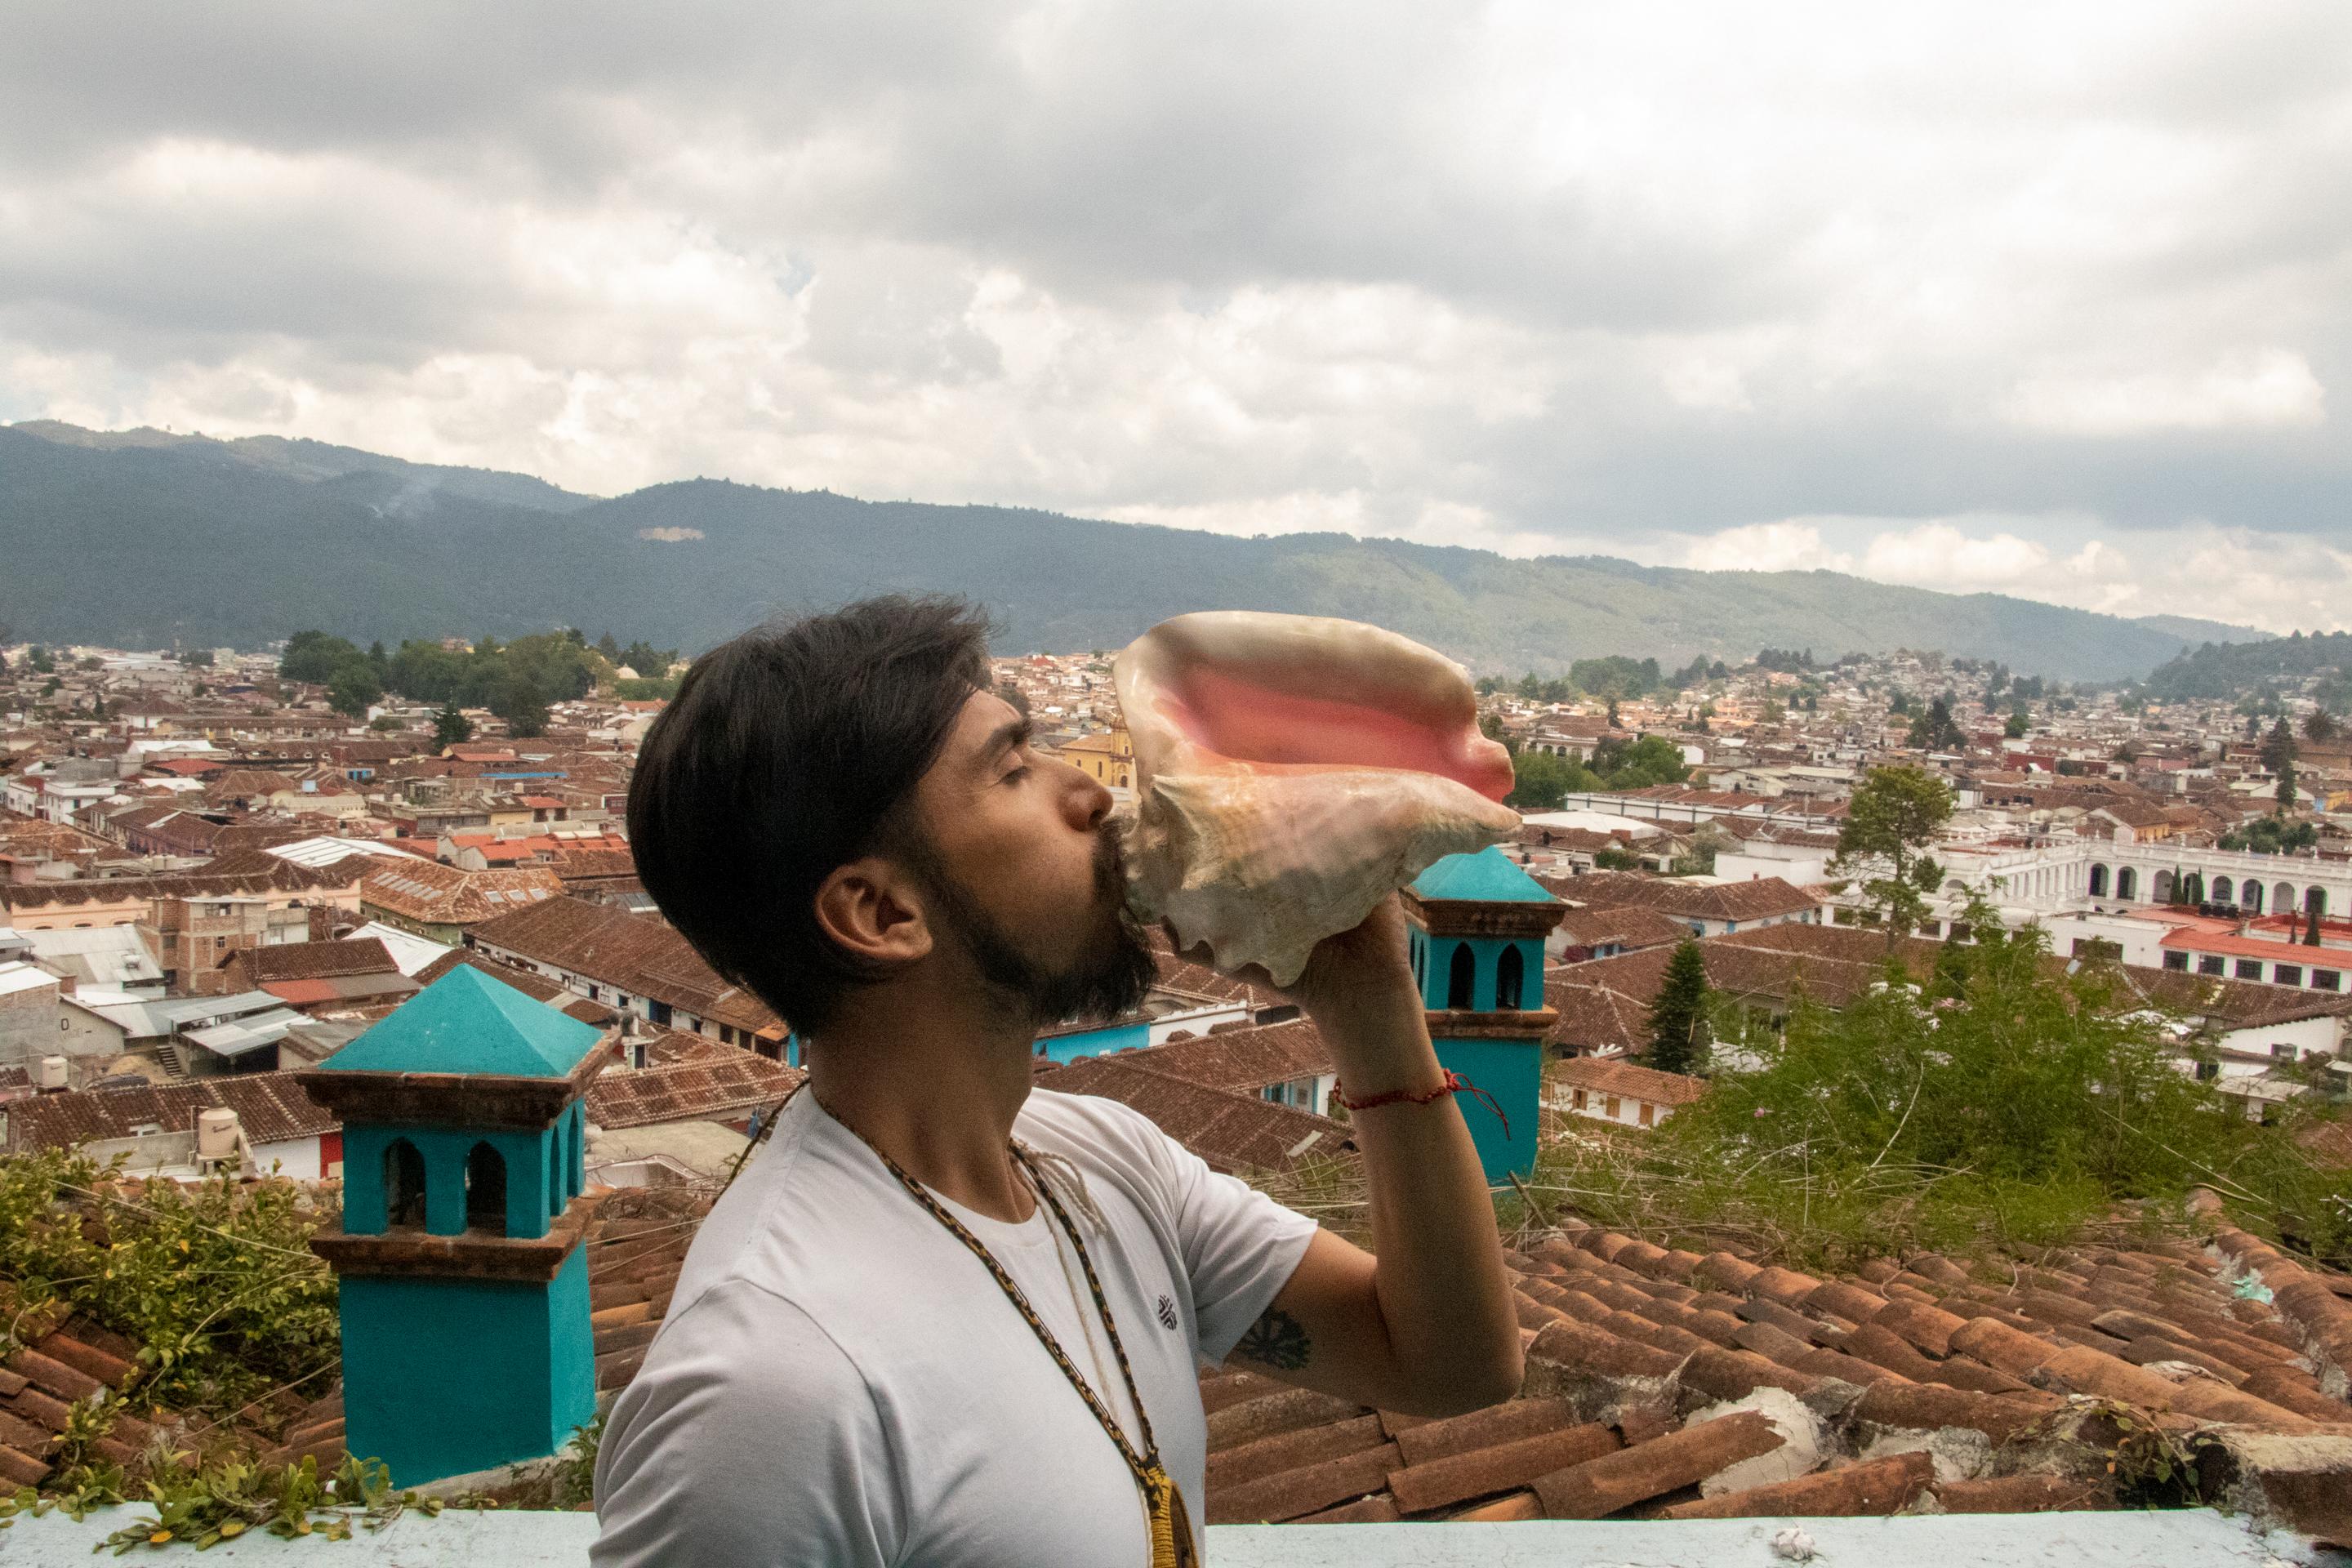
x=1454, y=1084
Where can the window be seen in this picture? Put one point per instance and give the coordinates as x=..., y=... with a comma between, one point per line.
x=2172, y=960
x=1461, y=978
x=2250, y=969
x=1609, y=1107
x=1649, y=1115
x=2287, y=974
x=2211, y=963
x=2326, y=980
x=1577, y=1099
x=1510, y=971
x=403, y=1185
x=486, y=1190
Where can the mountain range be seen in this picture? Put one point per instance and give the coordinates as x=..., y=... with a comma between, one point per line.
x=142, y=537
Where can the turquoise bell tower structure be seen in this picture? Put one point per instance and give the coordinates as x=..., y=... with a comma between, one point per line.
x=462, y=1285
x=1476, y=930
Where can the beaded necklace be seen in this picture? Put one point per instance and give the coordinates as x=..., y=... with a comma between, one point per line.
x=1170, y=1524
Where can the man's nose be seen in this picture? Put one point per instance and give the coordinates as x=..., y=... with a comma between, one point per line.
x=1089, y=802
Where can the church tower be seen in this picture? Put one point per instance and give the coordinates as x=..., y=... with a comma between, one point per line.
x=1477, y=925
x=463, y=1284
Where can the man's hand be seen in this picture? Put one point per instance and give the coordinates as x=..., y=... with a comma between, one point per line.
x=1358, y=986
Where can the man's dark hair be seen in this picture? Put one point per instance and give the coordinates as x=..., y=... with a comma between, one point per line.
x=787, y=753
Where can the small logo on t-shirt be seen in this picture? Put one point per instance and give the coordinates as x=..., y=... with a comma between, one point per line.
x=1166, y=1314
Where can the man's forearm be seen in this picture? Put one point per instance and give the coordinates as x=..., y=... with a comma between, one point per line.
x=1444, y=1298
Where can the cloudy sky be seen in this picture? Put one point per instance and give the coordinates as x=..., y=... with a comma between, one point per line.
x=2043, y=299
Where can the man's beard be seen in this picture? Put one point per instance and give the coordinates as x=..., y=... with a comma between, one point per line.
x=1109, y=978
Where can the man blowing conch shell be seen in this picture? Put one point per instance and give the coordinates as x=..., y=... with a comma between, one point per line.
x=943, y=1318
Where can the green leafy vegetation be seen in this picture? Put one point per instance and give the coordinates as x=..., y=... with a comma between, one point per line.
x=1678, y=1016
x=1935, y=729
x=216, y=1281
x=221, y=1501
x=2011, y=1105
x=1545, y=780
x=1895, y=815
x=2219, y=672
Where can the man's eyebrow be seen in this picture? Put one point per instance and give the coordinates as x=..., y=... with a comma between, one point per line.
x=1013, y=732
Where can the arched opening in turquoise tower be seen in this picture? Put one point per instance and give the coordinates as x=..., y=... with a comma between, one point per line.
x=1461, y=978
x=403, y=1185
x=486, y=1190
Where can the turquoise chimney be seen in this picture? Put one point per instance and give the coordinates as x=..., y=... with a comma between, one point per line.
x=462, y=1285
x=1477, y=925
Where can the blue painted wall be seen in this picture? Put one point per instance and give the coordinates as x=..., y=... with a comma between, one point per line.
x=1096, y=1042
x=1433, y=959
x=544, y=1169
x=1510, y=1070
x=442, y=1377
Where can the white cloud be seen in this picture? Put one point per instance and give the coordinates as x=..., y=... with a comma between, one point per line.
x=2273, y=581
x=2042, y=299
x=1938, y=555
x=1767, y=547
x=2273, y=388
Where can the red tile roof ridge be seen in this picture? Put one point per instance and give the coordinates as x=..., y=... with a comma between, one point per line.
x=2302, y=1296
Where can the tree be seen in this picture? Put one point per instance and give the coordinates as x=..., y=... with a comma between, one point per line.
x=195, y=658
x=1652, y=759
x=451, y=728
x=2285, y=792
x=1546, y=780
x=2019, y=723
x=652, y=662
x=1707, y=841
x=610, y=650
x=1679, y=1032
x=2278, y=746
x=1892, y=819
x=1491, y=726
x=1933, y=730
x=523, y=705
x=352, y=687
x=313, y=656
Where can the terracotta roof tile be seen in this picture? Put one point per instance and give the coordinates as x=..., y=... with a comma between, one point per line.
x=1598, y=1487
x=1231, y=1132
x=1882, y=1486
x=1488, y=1468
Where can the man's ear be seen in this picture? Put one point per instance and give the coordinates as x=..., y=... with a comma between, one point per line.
x=876, y=911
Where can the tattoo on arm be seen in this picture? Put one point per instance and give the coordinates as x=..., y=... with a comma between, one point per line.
x=1276, y=1339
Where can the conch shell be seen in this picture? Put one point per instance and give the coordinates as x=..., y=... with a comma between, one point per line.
x=1293, y=771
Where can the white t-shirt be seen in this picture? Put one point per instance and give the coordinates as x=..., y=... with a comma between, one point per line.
x=840, y=1382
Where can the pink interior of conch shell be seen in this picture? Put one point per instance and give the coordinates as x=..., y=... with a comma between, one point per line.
x=1292, y=772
